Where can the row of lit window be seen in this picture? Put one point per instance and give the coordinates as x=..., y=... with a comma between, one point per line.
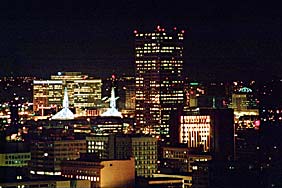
x=17, y=162
x=153, y=51
x=90, y=178
x=153, y=64
x=150, y=34
x=96, y=143
x=196, y=128
x=146, y=61
x=147, y=47
x=17, y=156
x=163, y=38
x=171, y=65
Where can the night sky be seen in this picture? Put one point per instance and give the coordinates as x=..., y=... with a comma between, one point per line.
x=222, y=41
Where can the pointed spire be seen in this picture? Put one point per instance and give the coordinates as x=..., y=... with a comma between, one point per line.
x=66, y=99
x=113, y=98
x=112, y=111
x=65, y=113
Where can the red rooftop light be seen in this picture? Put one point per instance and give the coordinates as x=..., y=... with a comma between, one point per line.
x=135, y=31
x=182, y=31
x=174, y=28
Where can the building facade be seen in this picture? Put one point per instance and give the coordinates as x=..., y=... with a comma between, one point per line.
x=14, y=154
x=46, y=156
x=142, y=148
x=159, y=81
x=145, y=153
x=209, y=130
x=47, y=94
x=107, y=173
x=84, y=92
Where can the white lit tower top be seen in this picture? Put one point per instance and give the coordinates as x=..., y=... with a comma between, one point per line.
x=112, y=111
x=65, y=113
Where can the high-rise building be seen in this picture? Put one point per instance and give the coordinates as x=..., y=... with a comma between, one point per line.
x=83, y=92
x=159, y=80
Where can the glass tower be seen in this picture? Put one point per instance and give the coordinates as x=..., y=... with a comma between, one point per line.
x=159, y=80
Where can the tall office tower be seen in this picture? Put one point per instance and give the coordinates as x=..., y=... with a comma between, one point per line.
x=159, y=81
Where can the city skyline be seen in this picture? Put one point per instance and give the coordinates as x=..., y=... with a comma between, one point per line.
x=236, y=41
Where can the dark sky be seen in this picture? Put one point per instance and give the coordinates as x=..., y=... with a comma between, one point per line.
x=222, y=41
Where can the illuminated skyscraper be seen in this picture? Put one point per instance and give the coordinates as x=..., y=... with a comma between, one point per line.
x=83, y=92
x=159, y=81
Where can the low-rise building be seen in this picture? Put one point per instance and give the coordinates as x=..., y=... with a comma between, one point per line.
x=101, y=173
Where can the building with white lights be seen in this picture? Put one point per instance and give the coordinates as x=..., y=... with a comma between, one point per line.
x=159, y=82
x=84, y=93
x=195, y=131
x=47, y=94
x=210, y=130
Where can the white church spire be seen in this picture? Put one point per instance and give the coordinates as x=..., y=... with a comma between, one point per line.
x=112, y=111
x=65, y=113
x=66, y=99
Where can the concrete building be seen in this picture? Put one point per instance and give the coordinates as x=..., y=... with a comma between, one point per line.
x=145, y=152
x=142, y=148
x=179, y=160
x=171, y=180
x=14, y=155
x=46, y=156
x=47, y=183
x=104, y=173
x=110, y=146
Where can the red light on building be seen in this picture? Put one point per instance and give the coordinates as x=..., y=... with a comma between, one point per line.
x=182, y=31
x=257, y=124
x=174, y=28
x=135, y=31
x=113, y=76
